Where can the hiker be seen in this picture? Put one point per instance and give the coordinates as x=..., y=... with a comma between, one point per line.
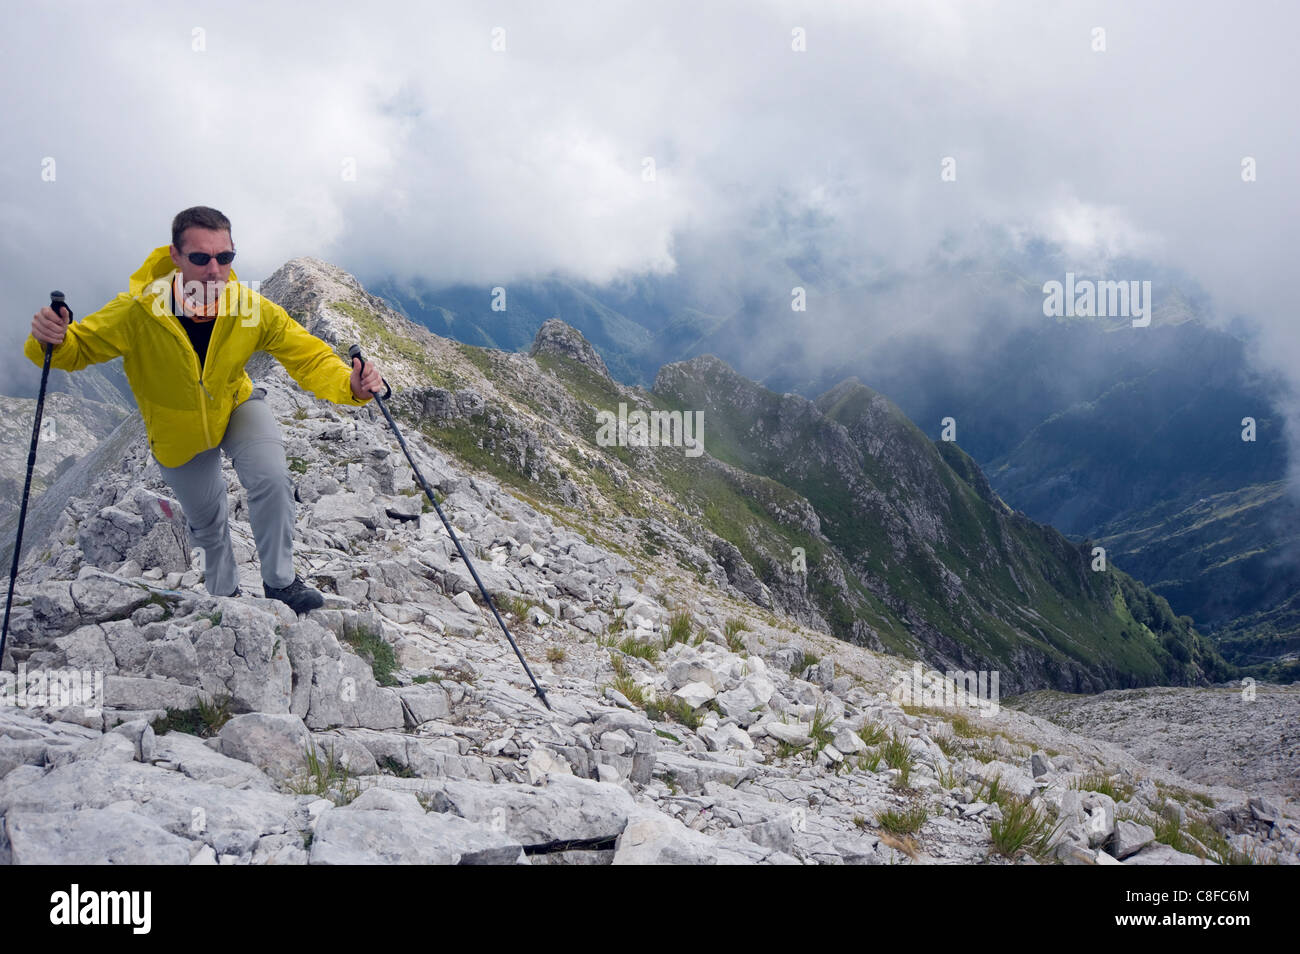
x=185, y=330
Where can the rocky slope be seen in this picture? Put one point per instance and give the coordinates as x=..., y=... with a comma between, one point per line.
x=71, y=426
x=905, y=547
x=689, y=725
x=1255, y=742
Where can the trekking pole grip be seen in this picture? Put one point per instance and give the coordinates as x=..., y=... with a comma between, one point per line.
x=355, y=352
x=60, y=306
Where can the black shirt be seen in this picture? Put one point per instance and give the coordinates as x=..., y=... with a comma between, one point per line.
x=200, y=332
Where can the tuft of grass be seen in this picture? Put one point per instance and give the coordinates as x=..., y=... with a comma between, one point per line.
x=670, y=779
x=324, y=779
x=677, y=709
x=679, y=629
x=948, y=745
x=1103, y=784
x=948, y=778
x=369, y=644
x=821, y=729
x=390, y=766
x=905, y=822
x=962, y=726
x=1022, y=828
x=204, y=720
x=805, y=660
x=991, y=792
x=518, y=607
x=1183, y=795
x=872, y=733
x=898, y=755
x=631, y=690
x=734, y=627
x=631, y=647
x=555, y=655
x=1216, y=845
x=787, y=750
x=1169, y=831
x=869, y=762
x=624, y=683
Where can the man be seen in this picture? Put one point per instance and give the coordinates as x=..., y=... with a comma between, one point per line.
x=185, y=330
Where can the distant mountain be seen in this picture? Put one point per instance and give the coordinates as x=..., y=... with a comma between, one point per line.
x=1132, y=437
x=1108, y=432
x=906, y=547
x=466, y=314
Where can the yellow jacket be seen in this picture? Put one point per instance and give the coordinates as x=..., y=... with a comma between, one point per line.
x=186, y=407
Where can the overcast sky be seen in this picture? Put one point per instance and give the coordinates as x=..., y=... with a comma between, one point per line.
x=490, y=165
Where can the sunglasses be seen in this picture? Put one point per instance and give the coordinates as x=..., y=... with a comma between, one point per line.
x=202, y=258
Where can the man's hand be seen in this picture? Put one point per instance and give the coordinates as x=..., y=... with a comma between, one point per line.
x=48, y=327
x=363, y=382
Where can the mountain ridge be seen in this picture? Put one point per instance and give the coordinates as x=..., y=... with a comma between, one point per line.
x=393, y=725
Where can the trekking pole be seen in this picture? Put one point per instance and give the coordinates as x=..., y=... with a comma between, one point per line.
x=355, y=352
x=59, y=306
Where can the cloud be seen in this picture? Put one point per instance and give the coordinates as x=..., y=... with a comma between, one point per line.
x=482, y=165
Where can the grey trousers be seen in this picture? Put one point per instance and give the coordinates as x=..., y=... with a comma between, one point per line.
x=252, y=442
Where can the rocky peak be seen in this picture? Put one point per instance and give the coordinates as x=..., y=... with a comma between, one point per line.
x=556, y=337
x=304, y=285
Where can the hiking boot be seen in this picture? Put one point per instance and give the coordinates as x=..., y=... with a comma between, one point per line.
x=298, y=596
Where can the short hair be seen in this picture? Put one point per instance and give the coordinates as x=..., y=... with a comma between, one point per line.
x=200, y=216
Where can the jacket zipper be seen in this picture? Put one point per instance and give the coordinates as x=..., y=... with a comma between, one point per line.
x=203, y=408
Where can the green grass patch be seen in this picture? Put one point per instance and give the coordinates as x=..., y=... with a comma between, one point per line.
x=898, y=755
x=1104, y=784
x=903, y=822
x=370, y=645
x=820, y=729
x=869, y=762
x=203, y=720
x=872, y=733
x=948, y=745
x=804, y=660
x=1022, y=828
x=732, y=630
x=679, y=629
x=631, y=646
x=324, y=778
x=390, y=766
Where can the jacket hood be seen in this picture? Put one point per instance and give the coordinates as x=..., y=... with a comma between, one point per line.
x=151, y=283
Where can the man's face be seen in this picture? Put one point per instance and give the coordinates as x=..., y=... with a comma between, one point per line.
x=211, y=278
